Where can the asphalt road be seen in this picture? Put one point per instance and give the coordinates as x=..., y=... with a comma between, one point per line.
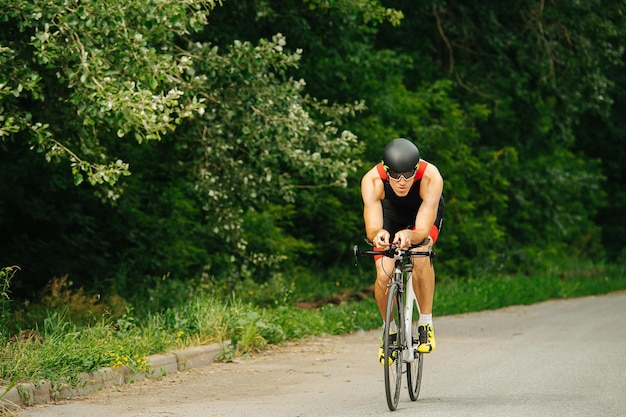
x=558, y=358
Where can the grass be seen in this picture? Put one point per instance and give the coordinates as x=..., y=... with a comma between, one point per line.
x=246, y=325
x=486, y=293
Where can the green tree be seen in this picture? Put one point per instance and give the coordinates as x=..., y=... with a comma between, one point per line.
x=261, y=139
x=601, y=137
x=231, y=126
x=243, y=122
x=77, y=75
x=538, y=67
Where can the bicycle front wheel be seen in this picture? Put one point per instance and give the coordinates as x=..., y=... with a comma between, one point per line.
x=392, y=346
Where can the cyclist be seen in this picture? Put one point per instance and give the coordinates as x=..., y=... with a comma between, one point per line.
x=403, y=205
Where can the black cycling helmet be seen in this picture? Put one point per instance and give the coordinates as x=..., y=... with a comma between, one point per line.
x=401, y=155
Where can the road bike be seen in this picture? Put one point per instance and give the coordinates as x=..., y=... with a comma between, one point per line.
x=402, y=305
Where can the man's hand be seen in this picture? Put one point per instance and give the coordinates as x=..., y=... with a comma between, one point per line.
x=403, y=239
x=382, y=239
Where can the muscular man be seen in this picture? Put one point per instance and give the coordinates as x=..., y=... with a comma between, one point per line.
x=403, y=206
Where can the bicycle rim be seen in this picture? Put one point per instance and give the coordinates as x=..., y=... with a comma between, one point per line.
x=414, y=369
x=393, y=351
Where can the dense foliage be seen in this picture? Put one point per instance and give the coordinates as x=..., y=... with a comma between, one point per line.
x=151, y=148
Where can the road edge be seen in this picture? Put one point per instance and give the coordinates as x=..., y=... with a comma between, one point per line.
x=28, y=393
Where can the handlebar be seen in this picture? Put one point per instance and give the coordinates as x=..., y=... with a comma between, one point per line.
x=394, y=252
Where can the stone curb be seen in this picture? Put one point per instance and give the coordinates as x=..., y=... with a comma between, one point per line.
x=28, y=394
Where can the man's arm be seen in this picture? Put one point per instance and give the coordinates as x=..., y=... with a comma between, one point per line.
x=431, y=189
x=372, y=192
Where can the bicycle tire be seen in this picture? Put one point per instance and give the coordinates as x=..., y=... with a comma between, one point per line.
x=414, y=369
x=393, y=352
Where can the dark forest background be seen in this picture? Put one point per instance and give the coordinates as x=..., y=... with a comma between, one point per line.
x=149, y=149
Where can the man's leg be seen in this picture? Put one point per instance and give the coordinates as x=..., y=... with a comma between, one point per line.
x=384, y=271
x=424, y=287
x=384, y=268
x=424, y=284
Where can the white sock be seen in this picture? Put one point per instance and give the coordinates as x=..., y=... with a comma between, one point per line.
x=393, y=328
x=425, y=319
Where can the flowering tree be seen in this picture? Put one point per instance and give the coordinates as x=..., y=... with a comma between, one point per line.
x=81, y=82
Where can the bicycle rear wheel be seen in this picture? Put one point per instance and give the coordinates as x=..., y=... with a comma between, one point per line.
x=414, y=369
x=392, y=347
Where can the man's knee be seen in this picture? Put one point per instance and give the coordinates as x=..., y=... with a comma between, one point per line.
x=421, y=265
x=382, y=280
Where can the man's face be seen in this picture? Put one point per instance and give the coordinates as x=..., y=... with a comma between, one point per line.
x=402, y=186
x=401, y=181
